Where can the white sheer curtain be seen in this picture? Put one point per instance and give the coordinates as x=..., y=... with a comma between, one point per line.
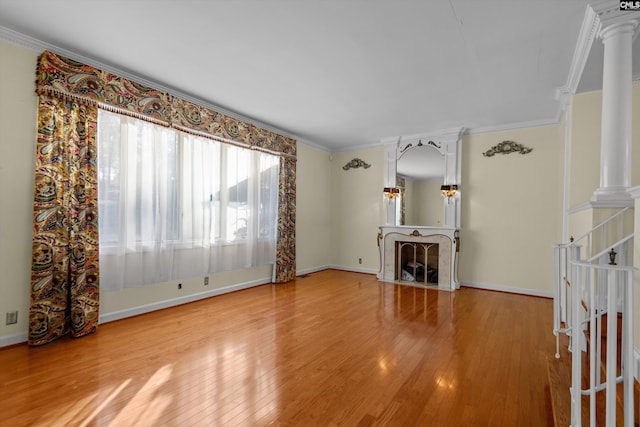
x=173, y=205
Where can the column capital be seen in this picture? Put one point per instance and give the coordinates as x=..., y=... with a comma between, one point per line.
x=619, y=27
x=609, y=15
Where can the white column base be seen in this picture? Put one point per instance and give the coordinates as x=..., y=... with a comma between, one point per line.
x=611, y=197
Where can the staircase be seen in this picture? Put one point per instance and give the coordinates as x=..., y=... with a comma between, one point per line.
x=591, y=376
x=559, y=377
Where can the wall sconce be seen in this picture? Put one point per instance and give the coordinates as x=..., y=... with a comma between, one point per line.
x=391, y=192
x=449, y=190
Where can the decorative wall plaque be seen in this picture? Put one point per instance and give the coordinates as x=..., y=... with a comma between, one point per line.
x=355, y=164
x=507, y=147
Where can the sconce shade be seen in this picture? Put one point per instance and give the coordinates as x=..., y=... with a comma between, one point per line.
x=449, y=190
x=391, y=192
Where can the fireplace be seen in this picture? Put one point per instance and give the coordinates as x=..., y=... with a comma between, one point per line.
x=417, y=262
x=421, y=255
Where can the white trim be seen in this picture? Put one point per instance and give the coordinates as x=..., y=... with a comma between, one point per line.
x=357, y=147
x=580, y=207
x=22, y=40
x=450, y=134
x=566, y=171
x=509, y=289
x=602, y=204
x=13, y=339
x=148, y=308
x=613, y=203
x=512, y=126
x=39, y=45
x=588, y=31
x=465, y=131
x=636, y=356
x=634, y=192
x=352, y=269
x=313, y=145
x=312, y=270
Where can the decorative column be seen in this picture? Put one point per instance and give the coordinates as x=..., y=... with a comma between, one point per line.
x=451, y=141
x=615, y=144
x=391, y=151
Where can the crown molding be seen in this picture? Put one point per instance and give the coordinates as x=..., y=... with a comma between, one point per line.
x=357, y=147
x=36, y=45
x=598, y=14
x=24, y=41
x=313, y=145
x=586, y=36
x=444, y=134
x=513, y=126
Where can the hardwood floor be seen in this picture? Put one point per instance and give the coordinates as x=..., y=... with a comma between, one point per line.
x=331, y=349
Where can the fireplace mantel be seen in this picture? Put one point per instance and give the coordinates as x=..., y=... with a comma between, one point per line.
x=446, y=239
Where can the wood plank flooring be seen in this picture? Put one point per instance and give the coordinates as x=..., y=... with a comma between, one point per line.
x=332, y=349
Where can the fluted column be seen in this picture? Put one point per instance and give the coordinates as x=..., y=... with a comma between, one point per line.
x=615, y=144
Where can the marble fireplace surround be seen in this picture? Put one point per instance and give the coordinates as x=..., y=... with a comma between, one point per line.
x=445, y=238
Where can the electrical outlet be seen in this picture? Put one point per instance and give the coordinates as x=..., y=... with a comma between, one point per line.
x=206, y=280
x=12, y=317
x=179, y=285
x=359, y=260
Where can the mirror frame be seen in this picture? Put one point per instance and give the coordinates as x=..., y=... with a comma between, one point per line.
x=448, y=143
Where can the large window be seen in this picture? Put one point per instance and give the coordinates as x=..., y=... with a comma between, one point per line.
x=173, y=205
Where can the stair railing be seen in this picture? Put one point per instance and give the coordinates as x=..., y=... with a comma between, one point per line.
x=602, y=287
x=587, y=286
x=594, y=244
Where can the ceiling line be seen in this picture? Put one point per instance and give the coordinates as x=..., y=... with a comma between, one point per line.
x=37, y=45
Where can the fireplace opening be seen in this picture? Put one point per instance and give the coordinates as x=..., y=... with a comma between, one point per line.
x=417, y=262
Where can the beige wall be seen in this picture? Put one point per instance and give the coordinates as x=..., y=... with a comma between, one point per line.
x=586, y=114
x=313, y=211
x=511, y=210
x=129, y=301
x=17, y=145
x=357, y=209
x=586, y=111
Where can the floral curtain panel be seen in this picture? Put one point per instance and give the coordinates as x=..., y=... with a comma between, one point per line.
x=286, y=243
x=64, y=274
x=64, y=290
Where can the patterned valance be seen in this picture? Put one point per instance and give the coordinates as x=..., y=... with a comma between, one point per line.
x=60, y=76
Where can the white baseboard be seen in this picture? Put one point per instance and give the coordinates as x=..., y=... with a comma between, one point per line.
x=335, y=267
x=509, y=289
x=636, y=356
x=312, y=270
x=13, y=339
x=354, y=269
x=134, y=311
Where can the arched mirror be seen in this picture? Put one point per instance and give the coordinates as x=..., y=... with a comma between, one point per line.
x=419, y=168
x=420, y=171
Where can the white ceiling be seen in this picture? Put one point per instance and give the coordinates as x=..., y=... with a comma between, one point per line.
x=335, y=73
